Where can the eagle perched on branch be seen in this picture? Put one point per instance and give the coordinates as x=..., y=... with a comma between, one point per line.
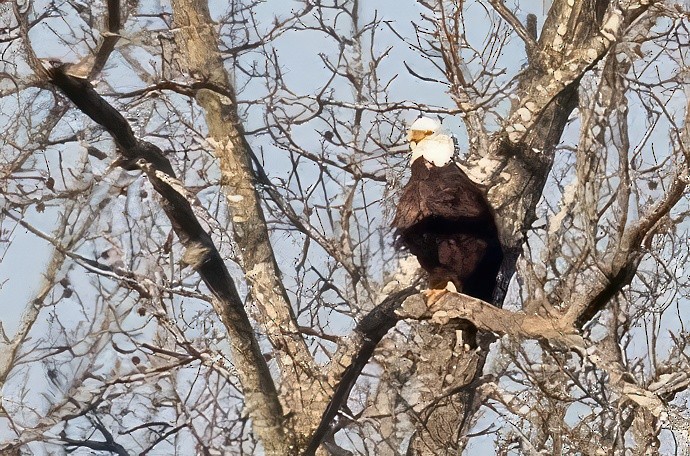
x=444, y=219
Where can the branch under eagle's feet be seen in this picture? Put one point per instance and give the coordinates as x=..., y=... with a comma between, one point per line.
x=466, y=331
x=433, y=295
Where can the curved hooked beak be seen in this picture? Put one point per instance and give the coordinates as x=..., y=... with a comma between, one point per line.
x=414, y=136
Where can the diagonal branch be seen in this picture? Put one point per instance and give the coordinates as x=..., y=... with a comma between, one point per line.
x=260, y=391
x=488, y=318
x=198, y=41
x=557, y=332
x=508, y=16
x=624, y=263
x=366, y=336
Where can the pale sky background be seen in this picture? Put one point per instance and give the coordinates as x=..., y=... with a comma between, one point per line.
x=23, y=260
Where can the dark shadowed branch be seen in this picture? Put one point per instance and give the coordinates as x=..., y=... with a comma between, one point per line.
x=202, y=254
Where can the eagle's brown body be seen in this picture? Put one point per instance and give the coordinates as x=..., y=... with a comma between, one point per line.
x=444, y=219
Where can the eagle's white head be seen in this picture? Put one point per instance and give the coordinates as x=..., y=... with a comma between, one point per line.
x=427, y=141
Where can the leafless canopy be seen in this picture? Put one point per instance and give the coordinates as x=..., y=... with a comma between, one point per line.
x=196, y=258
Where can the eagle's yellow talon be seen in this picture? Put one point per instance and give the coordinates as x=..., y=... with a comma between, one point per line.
x=433, y=296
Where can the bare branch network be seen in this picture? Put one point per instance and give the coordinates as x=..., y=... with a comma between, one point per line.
x=196, y=252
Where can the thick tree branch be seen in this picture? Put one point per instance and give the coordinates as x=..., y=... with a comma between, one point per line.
x=574, y=38
x=111, y=37
x=366, y=336
x=92, y=64
x=556, y=331
x=623, y=265
x=261, y=394
x=523, y=33
x=198, y=42
x=488, y=318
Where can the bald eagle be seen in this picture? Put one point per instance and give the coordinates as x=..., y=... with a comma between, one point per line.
x=444, y=219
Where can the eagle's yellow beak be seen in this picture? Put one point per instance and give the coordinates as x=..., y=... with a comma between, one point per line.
x=417, y=135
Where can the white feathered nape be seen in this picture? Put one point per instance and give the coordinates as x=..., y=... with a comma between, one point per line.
x=427, y=141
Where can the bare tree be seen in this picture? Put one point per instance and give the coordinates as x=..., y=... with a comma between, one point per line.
x=195, y=242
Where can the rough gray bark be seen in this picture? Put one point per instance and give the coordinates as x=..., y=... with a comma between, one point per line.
x=516, y=163
x=257, y=384
x=389, y=382
x=201, y=56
